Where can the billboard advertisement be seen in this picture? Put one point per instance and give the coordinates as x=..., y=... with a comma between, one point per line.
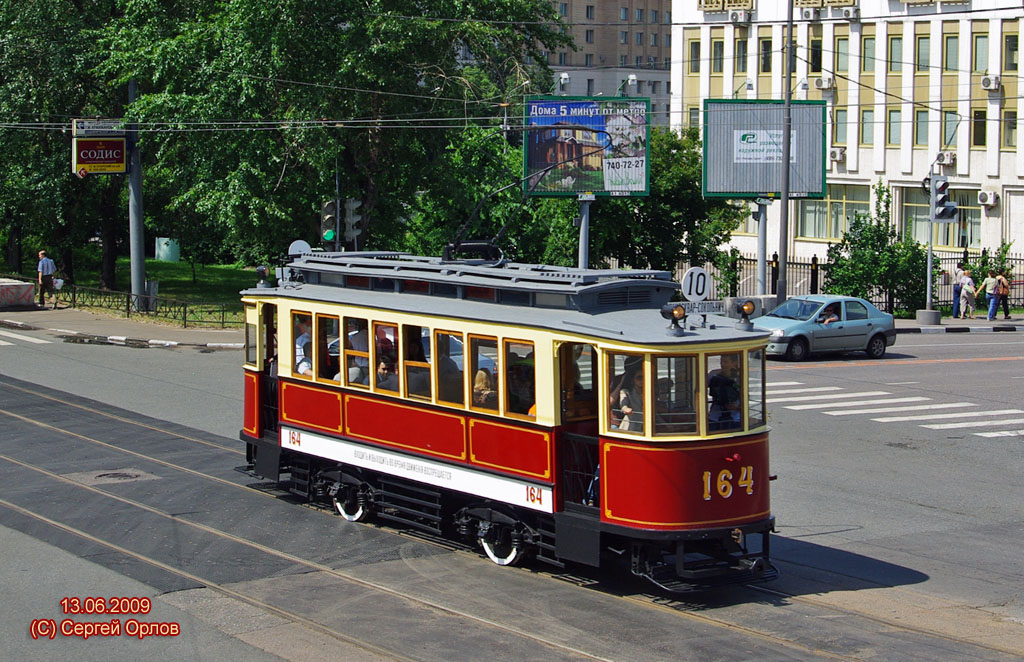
x=97, y=155
x=575, y=145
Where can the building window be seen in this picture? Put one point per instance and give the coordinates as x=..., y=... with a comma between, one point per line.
x=867, y=127
x=563, y=9
x=717, y=56
x=831, y=217
x=668, y=17
x=624, y=13
x=1009, y=128
x=654, y=86
x=951, y=53
x=590, y=12
x=639, y=15
x=965, y=232
x=639, y=38
x=839, y=130
x=588, y=36
x=654, y=39
x=922, y=56
x=979, y=127
x=590, y=86
x=895, y=54
x=741, y=56
x=979, y=62
x=893, y=129
x=766, y=56
x=563, y=58
x=814, y=59
x=694, y=56
x=623, y=37
x=694, y=116
x=588, y=59
x=667, y=40
x=639, y=63
x=622, y=60
x=950, y=122
x=1010, y=55
x=842, y=54
x=654, y=16
x=920, y=127
x=867, y=54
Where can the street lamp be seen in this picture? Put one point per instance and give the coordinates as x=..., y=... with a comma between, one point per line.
x=749, y=84
x=629, y=80
x=560, y=82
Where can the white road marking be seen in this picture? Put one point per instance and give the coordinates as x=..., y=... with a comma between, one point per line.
x=18, y=336
x=900, y=383
x=833, y=396
x=783, y=391
x=4, y=342
x=1001, y=433
x=885, y=410
x=858, y=403
x=786, y=384
x=972, y=424
x=933, y=417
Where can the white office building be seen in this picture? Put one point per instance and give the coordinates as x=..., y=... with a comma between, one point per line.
x=910, y=88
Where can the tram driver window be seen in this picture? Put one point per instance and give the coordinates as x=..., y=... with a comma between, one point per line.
x=520, y=379
x=725, y=374
x=327, y=347
x=385, y=357
x=416, y=360
x=579, y=399
x=483, y=354
x=675, y=395
x=626, y=396
x=450, y=385
x=302, y=358
x=755, y=388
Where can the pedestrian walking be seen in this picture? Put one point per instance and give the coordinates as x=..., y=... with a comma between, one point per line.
x=989, y=287
x=957, y=275
x=45, y=271
x=967, y=295
x=1003, y=292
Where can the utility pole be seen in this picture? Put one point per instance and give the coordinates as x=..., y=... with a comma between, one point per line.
x=787, y=132
x=136, y=235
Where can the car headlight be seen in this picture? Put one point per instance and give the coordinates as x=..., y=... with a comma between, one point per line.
x=776, y=334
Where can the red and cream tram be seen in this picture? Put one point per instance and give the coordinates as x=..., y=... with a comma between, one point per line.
x=545, y=411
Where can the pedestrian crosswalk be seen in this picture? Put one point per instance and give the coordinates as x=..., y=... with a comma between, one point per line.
x=886, y=407
x=18, y=336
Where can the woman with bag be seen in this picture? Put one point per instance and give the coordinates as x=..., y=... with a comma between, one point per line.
x=967, y=295
x=1003, y=292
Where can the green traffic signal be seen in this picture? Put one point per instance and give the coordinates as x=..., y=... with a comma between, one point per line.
x=329, y=235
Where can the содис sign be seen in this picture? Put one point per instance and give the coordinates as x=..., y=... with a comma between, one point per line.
x=98, y=155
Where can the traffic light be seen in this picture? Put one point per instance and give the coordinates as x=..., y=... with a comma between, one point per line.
x=943, y=209
x=329, y=223
x=352, y=229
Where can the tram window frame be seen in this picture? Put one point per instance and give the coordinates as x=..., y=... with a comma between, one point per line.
x=520, y=362
x=579, y=398
x=616, y=384
x=440, y=388
x=350, y=352
x=756, y=359
x=682, y=401
x=414, y=366
x=474, y=357
x=324, y=371
x=378, y=358
x=296, y=314
x=740, y=383
x=252, y=335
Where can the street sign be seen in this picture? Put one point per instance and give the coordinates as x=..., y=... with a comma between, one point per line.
x=703, y=307
x=97, y=128
x=696, y=284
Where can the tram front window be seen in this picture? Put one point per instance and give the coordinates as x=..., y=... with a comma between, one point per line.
x=302, y=359
x=725, y=406
x=755, y=388
x=520, y=381
x=675, y=395
x=327, y=337
x=484, y=368
x=626, y=399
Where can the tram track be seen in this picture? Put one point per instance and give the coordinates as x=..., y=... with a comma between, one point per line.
x=649, y=601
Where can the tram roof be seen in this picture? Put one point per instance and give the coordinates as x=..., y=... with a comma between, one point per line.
x=613, y=304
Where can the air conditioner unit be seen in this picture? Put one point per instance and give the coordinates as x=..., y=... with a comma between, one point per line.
x=824, y=83
x=946, y=158
x=988, y=198
x=851, y=14
x=810, y=13
x=837, y=154
x=990, y=83
x=739, y=16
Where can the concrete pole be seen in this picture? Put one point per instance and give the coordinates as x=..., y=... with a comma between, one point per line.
x=787, y=132
x=136, y=234
x=584, y=254
x=762, y=248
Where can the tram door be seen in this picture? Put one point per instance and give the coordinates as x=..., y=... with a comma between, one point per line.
x=577, y=364
x=268, y=338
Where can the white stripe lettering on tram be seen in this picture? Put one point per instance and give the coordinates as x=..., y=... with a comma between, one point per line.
x=972, y=424
x=464, y=479
x=789, y=391
x=18, y=336
x=934, y=417
x=832, y=396
x=858, y=403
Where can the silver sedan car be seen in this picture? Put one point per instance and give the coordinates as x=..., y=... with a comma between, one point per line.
x=825, y=323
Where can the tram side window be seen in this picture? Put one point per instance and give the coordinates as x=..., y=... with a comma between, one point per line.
x=626, y=395
x=327, y=347
x=451, y=386
x=415, y=360
x=357, y=352
x=520, y=378
x=675, y=395
x=755, y=388
x=725, y=374
x=302, y=358
x=578, y=394
x=483, y=353
x=385, y=357
x=252, y=339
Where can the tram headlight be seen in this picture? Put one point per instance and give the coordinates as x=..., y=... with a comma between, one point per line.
x=674, y=311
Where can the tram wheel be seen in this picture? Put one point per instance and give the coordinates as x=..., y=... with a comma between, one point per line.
x=348, y=505
x=502, y=547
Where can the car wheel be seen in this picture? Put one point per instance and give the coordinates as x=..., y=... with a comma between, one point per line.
x=876, y=347
x=797, y=350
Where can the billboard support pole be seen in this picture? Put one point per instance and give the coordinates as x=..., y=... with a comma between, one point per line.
x=584, y=252
x=136, y=236
x=787, y=133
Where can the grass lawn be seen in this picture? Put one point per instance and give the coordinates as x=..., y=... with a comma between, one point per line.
x=214, y=283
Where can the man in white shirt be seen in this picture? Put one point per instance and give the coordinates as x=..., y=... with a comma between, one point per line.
x=45, y=270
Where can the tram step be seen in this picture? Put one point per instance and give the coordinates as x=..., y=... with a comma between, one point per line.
x=415, y=522
x=546, y=543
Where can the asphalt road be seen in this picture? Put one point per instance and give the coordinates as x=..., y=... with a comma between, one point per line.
x=896, y=540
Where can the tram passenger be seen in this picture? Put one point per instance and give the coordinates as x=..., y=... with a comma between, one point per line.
x=387, y=380
x=301, y=335
x=355, y=339
x=521, y=387
x=484, y=394
x=418, y=376
x=304, y=366
x=631, y=402
x=724, y=389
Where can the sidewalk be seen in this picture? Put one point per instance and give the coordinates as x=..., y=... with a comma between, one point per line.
x=949, y=325
x=102, y=327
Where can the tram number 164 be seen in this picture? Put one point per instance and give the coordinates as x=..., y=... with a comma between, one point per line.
x=723, y=486
x=534, y=495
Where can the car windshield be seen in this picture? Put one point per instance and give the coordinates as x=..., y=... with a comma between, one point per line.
x=796, y=309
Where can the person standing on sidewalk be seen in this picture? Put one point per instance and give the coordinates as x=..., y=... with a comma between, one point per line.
x=989, y=285
x=45, y=270
x=967, y=295
x=957, y=276
x=1003, y=291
